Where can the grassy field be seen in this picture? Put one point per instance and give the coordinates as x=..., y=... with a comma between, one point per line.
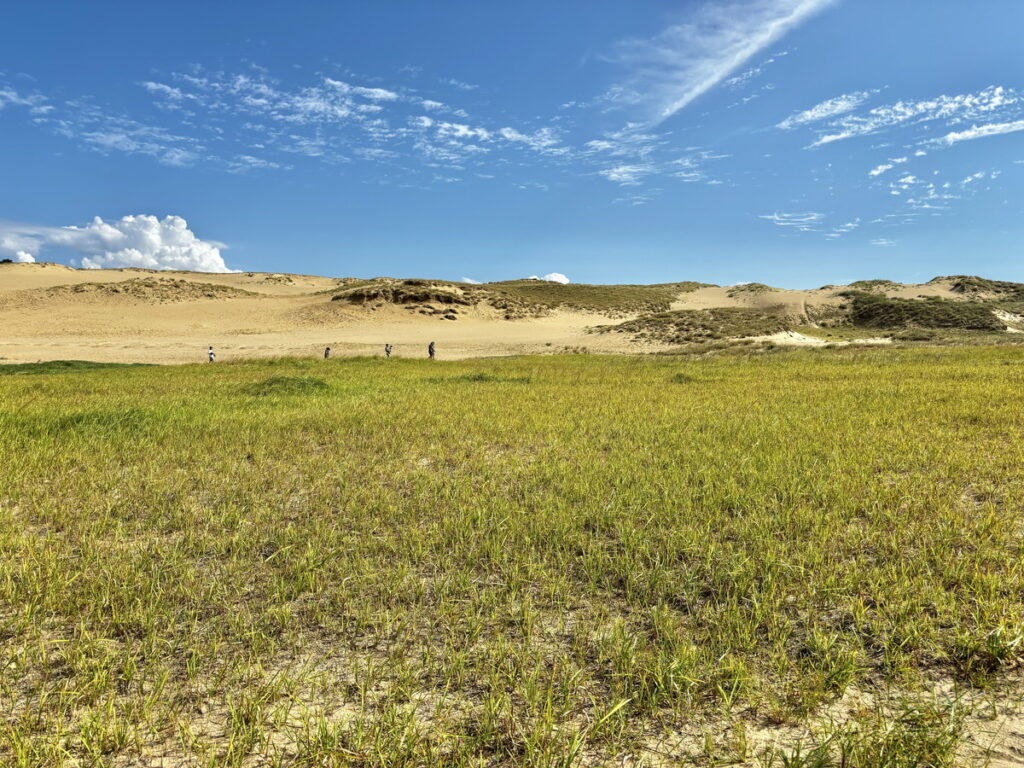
x=552, y=561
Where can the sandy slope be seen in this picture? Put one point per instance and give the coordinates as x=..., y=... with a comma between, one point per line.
x=44, y=318
x=49, y=311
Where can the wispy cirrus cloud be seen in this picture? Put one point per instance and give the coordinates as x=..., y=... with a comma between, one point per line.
x=838, y=119
x=840, y=105
x=804, y=222
x=981, y=132
x=667, y=72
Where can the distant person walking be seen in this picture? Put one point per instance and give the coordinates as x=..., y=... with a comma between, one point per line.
x=430, y=350
x=327, y=353
x=387, y=350
x=211, y=355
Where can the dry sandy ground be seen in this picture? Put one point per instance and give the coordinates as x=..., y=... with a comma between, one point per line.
x=53, y=312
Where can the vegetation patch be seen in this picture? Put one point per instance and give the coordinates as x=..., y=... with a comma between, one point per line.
x=874, y=311
x=875, y=286
x=687, y=326
x=60, y=366
x=520, y=298
x=483, y=377
x=749, y=289
x=980, y=287
x=612, y=299
x=151, y=290
x=288, y=385
x=402, y=292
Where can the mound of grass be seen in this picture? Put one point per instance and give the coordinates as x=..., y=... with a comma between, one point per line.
x=402, y=292
x=59, y=366
x=980, y=287
x=687, y=326
x=879, y=286
x=288, y=385
x=749, y=289
x=873, y=311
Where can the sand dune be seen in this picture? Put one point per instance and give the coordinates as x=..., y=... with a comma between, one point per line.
x=50, y=311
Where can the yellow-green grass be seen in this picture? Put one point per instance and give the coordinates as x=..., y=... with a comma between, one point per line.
x=530, y=561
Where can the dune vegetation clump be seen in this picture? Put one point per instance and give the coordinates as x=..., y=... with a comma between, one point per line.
x=877, y=286
x=874, y=311
x=980, y=287
x=690, y=326
x=749, y=289
x=402, y=292
x=789, y=550
x=150, y=290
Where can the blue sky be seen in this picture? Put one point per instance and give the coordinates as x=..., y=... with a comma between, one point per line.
x=793, y=142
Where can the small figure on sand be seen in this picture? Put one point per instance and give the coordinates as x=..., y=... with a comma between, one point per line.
x=327, y=353
x=211, y=355
x=430, y=350
x=387, y=350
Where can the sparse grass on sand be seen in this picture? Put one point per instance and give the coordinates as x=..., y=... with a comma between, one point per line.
x=549, y=561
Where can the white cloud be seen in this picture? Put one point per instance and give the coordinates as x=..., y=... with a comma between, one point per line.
x=670, y=70
x=980, y=132
x=373, y=94
x=839, y=105
x=132, y=241
x=543, y=140
x=882, y=242
x=462, y=86
x=628, y=175
x=471, y=281
x=989, y=102
x=552, y=277
x=24, y=257
x=805, y=222
x=893, y=162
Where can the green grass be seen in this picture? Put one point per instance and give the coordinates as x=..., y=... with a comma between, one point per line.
x=58, y=366
x=538, y=561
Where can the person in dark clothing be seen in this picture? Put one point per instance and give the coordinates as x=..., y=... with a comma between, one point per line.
x=387, y=350
x=430, y=350
x=211, y=355
x=327, y=353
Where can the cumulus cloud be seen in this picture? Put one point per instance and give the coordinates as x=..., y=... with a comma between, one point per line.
x=24, y=257
x=471, y=281
x=668, y=71
x=132, y=241
x=551, y=277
